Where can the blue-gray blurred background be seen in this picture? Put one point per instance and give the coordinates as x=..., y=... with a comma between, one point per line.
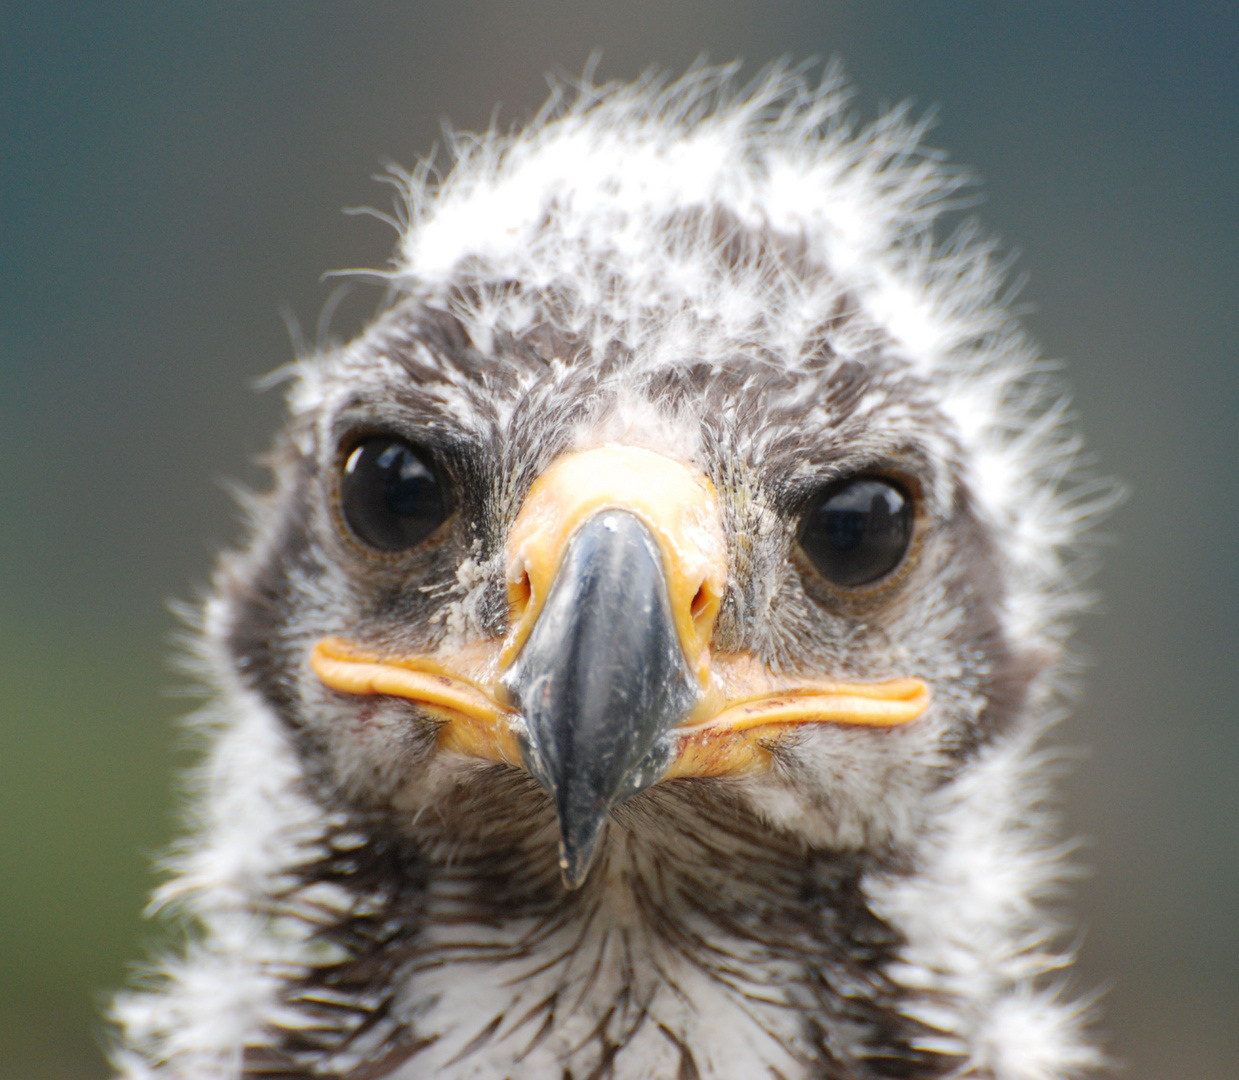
x=172, y=176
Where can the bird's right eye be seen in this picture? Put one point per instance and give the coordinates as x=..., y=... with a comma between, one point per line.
x=391, y=495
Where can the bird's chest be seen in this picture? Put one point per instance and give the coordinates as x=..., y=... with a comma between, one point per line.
x=754, y=962
x=602, y=993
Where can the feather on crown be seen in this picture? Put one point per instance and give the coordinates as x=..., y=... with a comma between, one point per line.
x=699, y=218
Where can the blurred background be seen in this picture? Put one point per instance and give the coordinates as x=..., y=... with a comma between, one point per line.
x=172, y=177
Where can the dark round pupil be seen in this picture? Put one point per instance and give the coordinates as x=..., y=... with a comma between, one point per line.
x=390, y=496
x=856, y=531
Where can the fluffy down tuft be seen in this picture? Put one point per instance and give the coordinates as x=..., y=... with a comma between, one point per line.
x=254, y=830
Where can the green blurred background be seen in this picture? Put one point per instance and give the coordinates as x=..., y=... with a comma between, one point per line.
x=172, y=176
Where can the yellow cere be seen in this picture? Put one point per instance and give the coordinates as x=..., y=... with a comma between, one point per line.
x=677, y=503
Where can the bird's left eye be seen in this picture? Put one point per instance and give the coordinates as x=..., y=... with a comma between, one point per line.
x=857, y=530
x=390, y=494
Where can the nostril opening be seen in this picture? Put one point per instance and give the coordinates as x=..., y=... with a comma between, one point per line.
x=700, y=602
x=519, y=593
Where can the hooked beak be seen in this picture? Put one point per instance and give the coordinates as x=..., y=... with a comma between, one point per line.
x=604, y=684
x=616, y=568
x=601, y=680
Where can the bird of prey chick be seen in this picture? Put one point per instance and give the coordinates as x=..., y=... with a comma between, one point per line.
x=638, y=666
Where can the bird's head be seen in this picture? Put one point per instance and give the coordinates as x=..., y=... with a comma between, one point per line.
x=636, y=668
x=667, y=468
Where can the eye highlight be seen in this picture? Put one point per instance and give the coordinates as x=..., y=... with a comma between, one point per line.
x=857, y=531
x=391, y=495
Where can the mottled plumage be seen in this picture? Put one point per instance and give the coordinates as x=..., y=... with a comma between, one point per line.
x=740, y=281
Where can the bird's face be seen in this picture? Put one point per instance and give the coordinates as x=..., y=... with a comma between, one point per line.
x=610, y=577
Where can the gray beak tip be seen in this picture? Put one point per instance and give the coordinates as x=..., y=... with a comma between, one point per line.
x=573, y=871
x=577, y=847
